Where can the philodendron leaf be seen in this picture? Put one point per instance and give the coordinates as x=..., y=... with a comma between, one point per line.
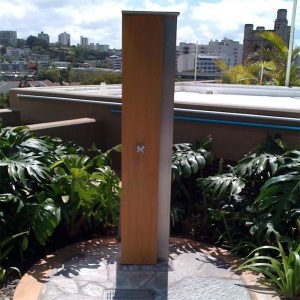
x=221, y=185
x=46, y=219
x=7, y=197
x=188, y=159
x=253, y=166
x=280, y=194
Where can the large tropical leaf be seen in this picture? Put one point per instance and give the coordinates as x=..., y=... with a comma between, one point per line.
x=188, y=159
x=220, y=185
x=290, y=161
x=23, y=168
x=45, y=218
x=282, y=191
x=278, y=203
x=254, y=166
x=235, y=74
x=279, y=55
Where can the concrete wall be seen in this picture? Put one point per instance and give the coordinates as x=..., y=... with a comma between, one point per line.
x=233, y=137
x=105, y=133
x=68, y=130
x=9, y=117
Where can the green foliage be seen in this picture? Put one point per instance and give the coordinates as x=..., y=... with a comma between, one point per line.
x=188, y=162
x=189, y=159
x=4, y=100
x=44, y=184
x=52, y=74
x=223, y=185
x=258, y=195
x=6, y=246
x=281, y=271
x=278, y=200
x=238, y=74
x=278, y=56
x=96, y=77
x=83, y=54
x=33, y=41
x=264, y=67
x=87, y=190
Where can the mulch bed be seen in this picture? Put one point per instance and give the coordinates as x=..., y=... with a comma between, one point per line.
x=8, y=289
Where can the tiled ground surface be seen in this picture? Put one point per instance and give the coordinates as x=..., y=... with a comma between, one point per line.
x=90, y=271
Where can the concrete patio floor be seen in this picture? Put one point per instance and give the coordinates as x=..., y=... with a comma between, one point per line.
x=90, y=270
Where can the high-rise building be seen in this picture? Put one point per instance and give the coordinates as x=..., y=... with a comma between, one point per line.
x=206, y=63
x=114, y=62
x=8, y=38
x=253, y=41
x=84, y=41
x=64, y=39
x=231, y=50
x=102, y=48
x=228, y=50
x=44, y=36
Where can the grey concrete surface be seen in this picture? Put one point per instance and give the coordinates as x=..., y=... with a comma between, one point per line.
x=90, y=271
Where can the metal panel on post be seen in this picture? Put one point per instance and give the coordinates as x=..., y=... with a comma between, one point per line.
x=149, y=52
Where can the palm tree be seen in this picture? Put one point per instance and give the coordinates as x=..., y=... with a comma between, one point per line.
x=265, y=66
x=237, y=74
x=278, y=56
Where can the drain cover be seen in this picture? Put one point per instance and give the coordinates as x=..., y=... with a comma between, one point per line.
x=128, y=294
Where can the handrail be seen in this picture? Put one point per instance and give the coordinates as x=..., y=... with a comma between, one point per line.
x=27, y=96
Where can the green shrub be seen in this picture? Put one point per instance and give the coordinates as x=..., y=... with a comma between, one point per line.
x=46, y=183
x=4, y=100
x=281, y=270
x=257, y=200
x=188, y=163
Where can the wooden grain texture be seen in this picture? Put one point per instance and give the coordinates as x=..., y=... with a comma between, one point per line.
x=141, y=111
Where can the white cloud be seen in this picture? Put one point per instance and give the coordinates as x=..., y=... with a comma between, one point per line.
x=228, y=17
x=100, y=20
x=16, y=10
x=171, y=5
x=186, y=34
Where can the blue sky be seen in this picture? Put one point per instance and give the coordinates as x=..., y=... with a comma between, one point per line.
x=100, y=20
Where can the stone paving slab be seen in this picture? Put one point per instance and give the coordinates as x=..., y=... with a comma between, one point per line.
x=90, y=270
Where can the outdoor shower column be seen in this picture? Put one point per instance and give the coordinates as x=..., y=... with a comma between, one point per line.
x=148, y=54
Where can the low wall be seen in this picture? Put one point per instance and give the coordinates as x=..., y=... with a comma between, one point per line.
x=9, y=117
x=234, y=126
x=105, y=133
x=80, y=131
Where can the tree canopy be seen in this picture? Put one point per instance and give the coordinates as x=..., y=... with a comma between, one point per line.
x=265, y=66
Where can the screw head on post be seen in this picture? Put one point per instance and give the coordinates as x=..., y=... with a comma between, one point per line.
x=140, y=148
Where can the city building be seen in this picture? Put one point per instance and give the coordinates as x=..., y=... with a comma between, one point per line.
x=228, y=50
x=8, y=38
x=114, y=62
x=61, y=64
x=41, y=60
x=14, y=66
x=102, y=48
x=206, y=63
x=14, y=52
x=253, y=41
x=231, y=50
x=64, y=39
x=186, y=48
x=185, y=62
x=44, y=36
x=84, y=41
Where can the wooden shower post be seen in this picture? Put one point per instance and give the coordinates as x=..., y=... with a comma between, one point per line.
x=149, y=55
